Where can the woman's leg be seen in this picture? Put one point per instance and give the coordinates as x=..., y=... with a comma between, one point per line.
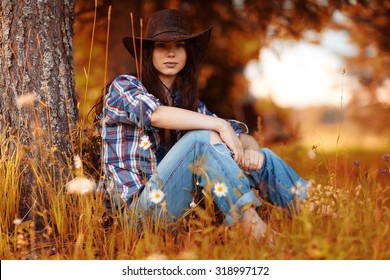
x=193, y=162
x=277, y=182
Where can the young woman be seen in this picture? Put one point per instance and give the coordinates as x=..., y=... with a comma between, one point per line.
x=160, y=144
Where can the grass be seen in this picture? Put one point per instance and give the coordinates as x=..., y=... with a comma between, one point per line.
x=349, y=219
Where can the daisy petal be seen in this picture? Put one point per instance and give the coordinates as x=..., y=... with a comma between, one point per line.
x=156, y=196
x=220, y=189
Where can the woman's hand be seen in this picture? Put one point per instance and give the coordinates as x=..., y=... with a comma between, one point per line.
x=253, y=160
x=230, y=138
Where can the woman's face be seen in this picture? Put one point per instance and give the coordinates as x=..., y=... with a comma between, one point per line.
x=169, y=58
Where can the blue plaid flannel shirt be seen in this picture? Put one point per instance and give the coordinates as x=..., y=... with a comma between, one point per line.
x=126, y=117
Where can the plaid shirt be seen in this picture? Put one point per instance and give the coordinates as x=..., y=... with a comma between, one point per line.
x=125, y=122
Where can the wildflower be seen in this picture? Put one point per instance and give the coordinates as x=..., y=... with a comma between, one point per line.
x=356, y=163
x=295, y=191
x=21, y=241
x=312, y=154
x=18, y=221
x=80, y=185
x=384, y=170
x=298, y=188
x=157, y=256
x=220, y=189
x=358, y=189
x=192, y=204
x=187, y=255
x=385, y=157
x=26, y=100
x=156, y=196
x=77, y=162
x=145, y=143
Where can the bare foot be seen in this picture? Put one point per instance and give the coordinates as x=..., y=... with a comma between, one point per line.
x=253, y=225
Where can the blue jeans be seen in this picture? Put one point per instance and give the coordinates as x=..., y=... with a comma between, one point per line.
x=193, y=162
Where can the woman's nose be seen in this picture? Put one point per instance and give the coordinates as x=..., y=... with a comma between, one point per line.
x=171, y=52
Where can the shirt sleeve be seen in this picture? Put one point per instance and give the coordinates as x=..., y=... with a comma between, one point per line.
x=203, y=109
x=128, y=101
x=238, y=127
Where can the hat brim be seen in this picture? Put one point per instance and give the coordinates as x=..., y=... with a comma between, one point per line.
x=201, y=41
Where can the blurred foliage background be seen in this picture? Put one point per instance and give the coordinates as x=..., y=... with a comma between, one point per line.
x=241, y=29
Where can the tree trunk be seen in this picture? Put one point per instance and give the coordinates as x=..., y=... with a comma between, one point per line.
x=36, y=62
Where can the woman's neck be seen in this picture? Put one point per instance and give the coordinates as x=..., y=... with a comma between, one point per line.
x=168, y=82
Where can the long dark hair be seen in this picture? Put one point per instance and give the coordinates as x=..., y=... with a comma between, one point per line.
x=186, y=81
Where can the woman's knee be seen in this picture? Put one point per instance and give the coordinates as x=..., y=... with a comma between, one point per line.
x=197, y=136
x=203, y=136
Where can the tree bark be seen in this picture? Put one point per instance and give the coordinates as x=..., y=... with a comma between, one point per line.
x=36, y=61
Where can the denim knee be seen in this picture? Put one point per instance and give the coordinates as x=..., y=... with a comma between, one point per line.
x=197, y=136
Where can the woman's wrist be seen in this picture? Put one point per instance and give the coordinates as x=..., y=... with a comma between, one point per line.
x=221, y=125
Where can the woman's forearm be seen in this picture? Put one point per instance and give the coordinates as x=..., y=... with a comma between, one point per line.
x=249, y=143
x=181, y=119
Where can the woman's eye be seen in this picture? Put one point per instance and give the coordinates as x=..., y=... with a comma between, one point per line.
x=159, y=45
x=180, y=45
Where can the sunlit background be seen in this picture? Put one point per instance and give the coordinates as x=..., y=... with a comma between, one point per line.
x=299, y=74
x=305, y=76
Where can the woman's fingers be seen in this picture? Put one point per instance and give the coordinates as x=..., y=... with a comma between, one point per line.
x=233, y=142
x=236, y=148
x=253, y=160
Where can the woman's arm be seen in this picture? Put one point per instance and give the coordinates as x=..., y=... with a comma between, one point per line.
x=181, y=119
x=249, y=143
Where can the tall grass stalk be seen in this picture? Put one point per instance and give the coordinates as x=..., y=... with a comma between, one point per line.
x=134, y=45
x=106, y=50
x=9, y=190
x=340, y=121
x=88, y=71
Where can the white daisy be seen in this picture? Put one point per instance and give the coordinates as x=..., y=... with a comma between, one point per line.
x=220, y=189
x=18, y=221
x=145, y=143
x=156, y=196
x=298, y=188
x=81, y=185
x=192, y=204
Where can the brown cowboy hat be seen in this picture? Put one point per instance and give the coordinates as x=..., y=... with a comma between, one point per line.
x=169, y=25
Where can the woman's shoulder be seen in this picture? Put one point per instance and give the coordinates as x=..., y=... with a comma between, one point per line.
x=127, y=82
x=126, y=78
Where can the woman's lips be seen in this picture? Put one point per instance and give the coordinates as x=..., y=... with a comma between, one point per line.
x=170, y=64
